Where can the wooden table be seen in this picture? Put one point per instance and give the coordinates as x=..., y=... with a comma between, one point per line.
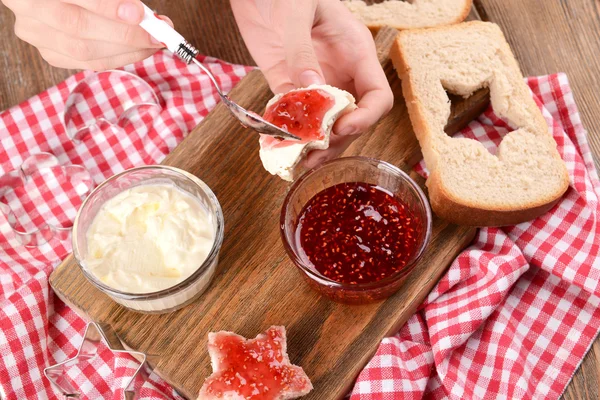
x=561, y=36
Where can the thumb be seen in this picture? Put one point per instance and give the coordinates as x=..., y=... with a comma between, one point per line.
x=302, y=63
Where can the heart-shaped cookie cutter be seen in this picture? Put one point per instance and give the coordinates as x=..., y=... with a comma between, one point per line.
x=39, y=162
x=114, y=97
x=94, y=334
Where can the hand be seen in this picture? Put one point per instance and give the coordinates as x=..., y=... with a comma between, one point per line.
x=300, y=42
x=84, y=34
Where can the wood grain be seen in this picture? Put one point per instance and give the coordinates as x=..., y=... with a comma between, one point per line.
x=256, y=285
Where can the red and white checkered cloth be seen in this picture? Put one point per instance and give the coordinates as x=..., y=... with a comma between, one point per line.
x=517, y=311
x=512, y=318
x=36, y=328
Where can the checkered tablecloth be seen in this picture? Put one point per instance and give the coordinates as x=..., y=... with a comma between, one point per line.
x=512, y=318
x=517, y=311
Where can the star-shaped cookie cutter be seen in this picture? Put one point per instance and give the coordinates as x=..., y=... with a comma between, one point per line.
x=40, y=162
x=94, y=334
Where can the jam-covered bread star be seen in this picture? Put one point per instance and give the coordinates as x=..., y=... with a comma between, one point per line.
x=255, y=369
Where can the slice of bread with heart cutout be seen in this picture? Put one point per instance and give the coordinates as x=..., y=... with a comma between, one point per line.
x=467, y=184
x=410, y=15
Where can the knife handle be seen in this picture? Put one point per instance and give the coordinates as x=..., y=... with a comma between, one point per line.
x=168, y=36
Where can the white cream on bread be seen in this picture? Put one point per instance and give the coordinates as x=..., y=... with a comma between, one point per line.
x=281, y=160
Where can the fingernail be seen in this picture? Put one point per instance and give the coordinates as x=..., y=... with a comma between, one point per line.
x=347, y=131
x=310, y=77
x=129, y=12
x=154, y=41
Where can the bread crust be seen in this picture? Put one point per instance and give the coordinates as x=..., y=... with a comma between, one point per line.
x=374, y=27
x=445, y=205
x=462, y=214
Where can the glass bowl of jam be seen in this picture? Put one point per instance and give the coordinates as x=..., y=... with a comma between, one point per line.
x=355, y=227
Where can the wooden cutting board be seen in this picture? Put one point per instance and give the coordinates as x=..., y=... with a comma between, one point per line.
x=256, y=285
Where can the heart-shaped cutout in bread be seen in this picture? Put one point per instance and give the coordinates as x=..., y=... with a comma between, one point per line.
x=467, y=184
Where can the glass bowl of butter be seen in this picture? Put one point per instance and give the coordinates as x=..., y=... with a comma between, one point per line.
x=149, y=238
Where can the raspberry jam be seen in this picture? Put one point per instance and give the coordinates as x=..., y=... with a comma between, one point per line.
x=357, y=233
x=255, y=369
x=301, y=113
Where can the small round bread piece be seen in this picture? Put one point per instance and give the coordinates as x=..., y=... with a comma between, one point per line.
x=283, y=158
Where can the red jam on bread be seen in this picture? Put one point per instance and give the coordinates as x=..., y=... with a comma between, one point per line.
x=301, y=113
x=357, y=233
x=255, y=369
x=309, y=113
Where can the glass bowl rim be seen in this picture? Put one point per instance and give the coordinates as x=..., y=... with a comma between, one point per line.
x=220, y=221
x=320, y=279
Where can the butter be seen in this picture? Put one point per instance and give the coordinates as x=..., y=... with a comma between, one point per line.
x=148, y=238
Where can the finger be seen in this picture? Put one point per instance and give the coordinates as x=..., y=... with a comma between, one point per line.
x=81, y=23
x=302, y=63
x=61, y=61
x=337, y=145
x=375, y=94
x=15, y=5
x=278, y=79
x=43, y=36
x=128, y=11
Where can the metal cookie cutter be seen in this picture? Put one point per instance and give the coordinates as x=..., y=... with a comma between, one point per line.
x=40, y=162
x=94, y=333
x=114, y=97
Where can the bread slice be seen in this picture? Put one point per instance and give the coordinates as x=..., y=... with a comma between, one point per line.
x=281, y=157
x=410, y=15
x=467, y=184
